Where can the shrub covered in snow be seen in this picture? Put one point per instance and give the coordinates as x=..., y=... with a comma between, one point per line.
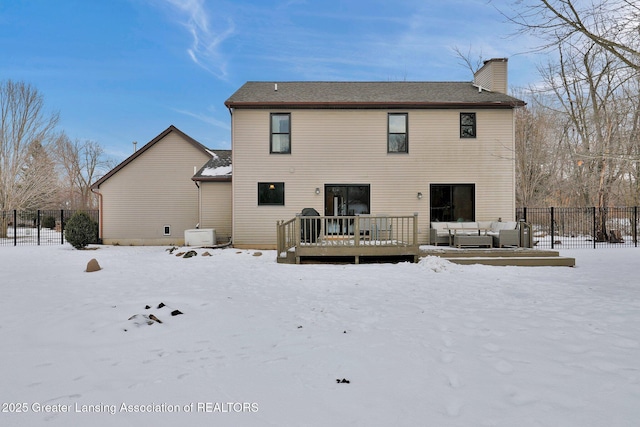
x=81, y=230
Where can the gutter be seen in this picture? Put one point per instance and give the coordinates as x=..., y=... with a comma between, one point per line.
x=376, y=105
x=99, y=214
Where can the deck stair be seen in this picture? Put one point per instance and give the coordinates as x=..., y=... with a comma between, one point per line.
x=523, y=257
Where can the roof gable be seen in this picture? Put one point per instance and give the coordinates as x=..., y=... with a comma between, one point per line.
x=146, y=147
x=367, y=95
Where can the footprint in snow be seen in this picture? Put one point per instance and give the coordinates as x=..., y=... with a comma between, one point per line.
x=446, y=357
x=492, y=347
x=503, y=367
x=453, y=408
x=454, y=380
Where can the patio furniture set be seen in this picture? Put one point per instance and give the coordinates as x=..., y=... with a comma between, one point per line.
x=489, y=234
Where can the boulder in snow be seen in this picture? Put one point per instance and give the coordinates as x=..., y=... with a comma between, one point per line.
x=92, y=266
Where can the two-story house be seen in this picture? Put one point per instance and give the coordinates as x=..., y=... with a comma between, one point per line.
x=444, y=150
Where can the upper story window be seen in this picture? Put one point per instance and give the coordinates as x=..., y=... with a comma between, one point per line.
x=280, y=133
x=398, y=139
x=467, y=125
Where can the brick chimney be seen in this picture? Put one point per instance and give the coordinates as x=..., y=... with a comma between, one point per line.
x=493, y=75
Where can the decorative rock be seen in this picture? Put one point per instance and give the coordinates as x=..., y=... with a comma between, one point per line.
x=93, y=266
x=257, y=254
x=206, y=254
x=153, y=317
x=190, y=254
x=176, y=312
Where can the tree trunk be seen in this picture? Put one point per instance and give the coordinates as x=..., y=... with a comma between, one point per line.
x=4, y=226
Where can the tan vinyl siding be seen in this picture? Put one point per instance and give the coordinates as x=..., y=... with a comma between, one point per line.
x=215, y=208
x=152, y=191
x=350, y=147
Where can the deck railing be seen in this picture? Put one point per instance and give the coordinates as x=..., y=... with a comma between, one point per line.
x=368, y=231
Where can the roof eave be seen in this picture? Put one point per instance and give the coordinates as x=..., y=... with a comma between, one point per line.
x=374, y=105
x=211, y=178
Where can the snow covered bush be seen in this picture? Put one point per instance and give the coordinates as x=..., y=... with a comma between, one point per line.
x=81, y=230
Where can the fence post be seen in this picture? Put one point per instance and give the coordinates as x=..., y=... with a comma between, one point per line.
x=595, y=228
x=62, y=226
x=635, y=226
x=15, y=227
x=38, y=225
x=552, y=229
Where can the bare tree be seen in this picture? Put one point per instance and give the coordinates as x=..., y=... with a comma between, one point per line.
x=467, y=61
x=539, y=152
x=594, y=94
x=595, y=83
x=613, y=25
x=628, y=191
x=23, y=123
x=80, y=164
x=39, y=178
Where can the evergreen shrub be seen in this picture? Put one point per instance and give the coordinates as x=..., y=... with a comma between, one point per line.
x=80, y=230
x=49, y=222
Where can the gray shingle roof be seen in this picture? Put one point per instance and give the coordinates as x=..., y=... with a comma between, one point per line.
x=218, y=168
x=367, y=95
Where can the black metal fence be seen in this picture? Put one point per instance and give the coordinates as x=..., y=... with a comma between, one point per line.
x=589, y=227
x=39, y=227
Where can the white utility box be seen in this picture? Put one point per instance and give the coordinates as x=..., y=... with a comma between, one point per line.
x=200, y=237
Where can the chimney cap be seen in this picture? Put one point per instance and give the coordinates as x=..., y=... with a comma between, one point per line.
x=496, y=60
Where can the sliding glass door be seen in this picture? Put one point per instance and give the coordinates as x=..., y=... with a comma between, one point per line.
x=453, y=202
x=345, y=200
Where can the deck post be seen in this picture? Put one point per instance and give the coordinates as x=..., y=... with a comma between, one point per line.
x=280, y=243
x=415, y=228
x=297, y=231
x=356, y=233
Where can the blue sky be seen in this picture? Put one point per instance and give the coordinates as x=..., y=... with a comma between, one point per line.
x=120, y=71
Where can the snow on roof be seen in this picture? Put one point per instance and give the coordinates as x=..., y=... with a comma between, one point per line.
x=219, y=171
x=218, y=168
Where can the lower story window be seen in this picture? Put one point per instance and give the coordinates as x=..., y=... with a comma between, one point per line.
x=453, y=202
x=271, y=193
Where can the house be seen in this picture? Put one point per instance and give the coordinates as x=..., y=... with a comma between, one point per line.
x=157, y=192
x=441, y=150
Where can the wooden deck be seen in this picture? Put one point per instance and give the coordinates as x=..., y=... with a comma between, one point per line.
x=348, y=238
x=388, y=238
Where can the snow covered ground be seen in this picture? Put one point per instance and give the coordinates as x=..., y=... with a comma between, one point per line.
x=263, y=344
